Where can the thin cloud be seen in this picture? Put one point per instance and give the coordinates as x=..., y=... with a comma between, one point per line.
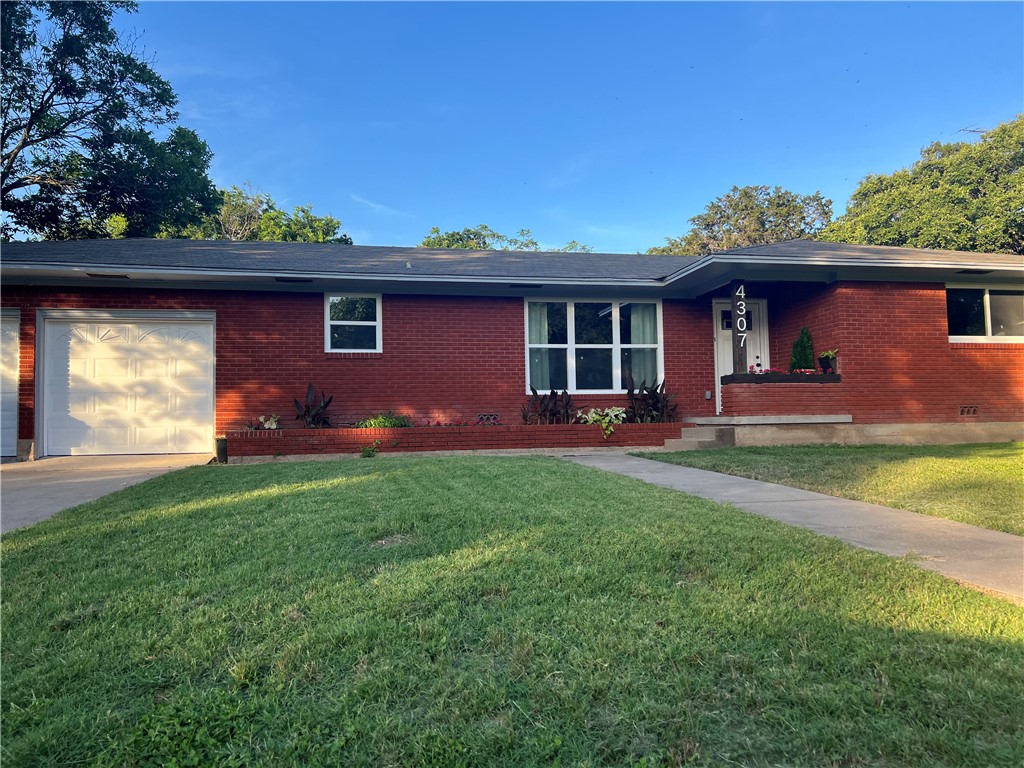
x=376, y=207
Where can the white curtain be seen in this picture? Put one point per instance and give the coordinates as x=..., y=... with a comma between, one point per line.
x=643, y=329
x=540, y=370
x=643, y=324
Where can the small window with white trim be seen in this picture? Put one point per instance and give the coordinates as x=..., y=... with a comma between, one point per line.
x=985, y=314
x=593, y=346
x=352, y=323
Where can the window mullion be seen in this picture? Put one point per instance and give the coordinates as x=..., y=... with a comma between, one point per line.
x=616, y=347
x=570, y=347
x=987, y=307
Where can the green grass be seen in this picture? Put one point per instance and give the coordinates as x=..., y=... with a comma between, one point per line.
x=486, y=612
x=978, y=484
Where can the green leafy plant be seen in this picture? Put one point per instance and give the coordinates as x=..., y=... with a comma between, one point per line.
x=553, y=408
x=650, y=405
x=802, y=357
x=607, y=418
x=311, y=413
x=829, y=353
x=270, y=422
x=371, y=450
x=385, y=420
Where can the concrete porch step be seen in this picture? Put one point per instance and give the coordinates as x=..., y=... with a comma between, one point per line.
x=702, y=438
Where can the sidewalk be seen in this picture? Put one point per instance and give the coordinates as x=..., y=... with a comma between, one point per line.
x=991, y=560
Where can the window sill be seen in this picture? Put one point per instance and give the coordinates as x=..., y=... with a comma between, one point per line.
x=965, y=341
x=352, y=355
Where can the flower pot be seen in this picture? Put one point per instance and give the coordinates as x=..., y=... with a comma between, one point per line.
x=828, y=364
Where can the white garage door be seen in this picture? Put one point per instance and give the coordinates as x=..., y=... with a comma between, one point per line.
x=9, y=385
x=123, y=385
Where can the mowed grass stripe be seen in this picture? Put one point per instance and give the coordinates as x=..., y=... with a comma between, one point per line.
x=483, y=611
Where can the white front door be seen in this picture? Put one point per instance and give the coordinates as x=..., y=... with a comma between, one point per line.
x=10, y=354
x=124, y=385
x=757, y=341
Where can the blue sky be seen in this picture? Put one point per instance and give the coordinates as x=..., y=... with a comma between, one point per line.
x=607, y=123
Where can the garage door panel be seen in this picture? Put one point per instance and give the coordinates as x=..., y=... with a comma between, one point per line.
x=153, y=368
x=111, y=403
x=72, y=335
x=154, y=334
x=156, y=405
x=131, y=387
x=192, y=436
x=112, y=368
x=192, y=369
x=189, y=404
x=160, y=439
x=10, y=333
x=112, y=334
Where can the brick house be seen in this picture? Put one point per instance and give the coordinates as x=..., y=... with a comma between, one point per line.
x=155, y=346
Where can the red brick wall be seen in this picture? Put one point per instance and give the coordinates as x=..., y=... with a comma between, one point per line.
x=295, y=441
x=449, y=359
x=791, y=306
x=895, y=358
x=444, y=358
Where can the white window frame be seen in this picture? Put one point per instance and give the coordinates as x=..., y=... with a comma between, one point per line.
x=988, y=338
x=570, y=346
x=378, y=323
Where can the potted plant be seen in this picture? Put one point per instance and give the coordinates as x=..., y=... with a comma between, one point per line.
x=827, y=360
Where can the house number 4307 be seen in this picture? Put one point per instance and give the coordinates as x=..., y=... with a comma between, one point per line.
x=740, y=313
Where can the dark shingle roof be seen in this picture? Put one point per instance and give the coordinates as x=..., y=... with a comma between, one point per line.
x=812, y=249
x=390, y=266
x=322, y=259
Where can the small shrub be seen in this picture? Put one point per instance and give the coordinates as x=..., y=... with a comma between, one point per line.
x=553, y=408
x=803, y=352
x=650, y=405
x=312, y=413
x=270, y=422
x=371, y=450
x=607, y=418
x=385, y=420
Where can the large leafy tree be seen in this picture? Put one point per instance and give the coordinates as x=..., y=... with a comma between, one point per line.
x=961, y=196
x=753, y=215
x=483, y=238
x=301, y=226
x=247, y=214
x=79, y=106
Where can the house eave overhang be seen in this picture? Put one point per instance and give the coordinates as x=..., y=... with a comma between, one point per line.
x=703, y=276
x=41, y=273
x=711, y=272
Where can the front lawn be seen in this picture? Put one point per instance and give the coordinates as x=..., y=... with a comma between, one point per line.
x=978, y=484
x=486, y=612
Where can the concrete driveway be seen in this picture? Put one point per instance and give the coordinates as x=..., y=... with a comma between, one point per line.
x=31, y=491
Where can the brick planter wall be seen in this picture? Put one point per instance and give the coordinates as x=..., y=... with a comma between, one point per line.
x=302, y=441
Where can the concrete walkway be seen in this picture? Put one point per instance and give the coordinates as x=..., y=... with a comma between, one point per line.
x=990, y=560
x=31, y=491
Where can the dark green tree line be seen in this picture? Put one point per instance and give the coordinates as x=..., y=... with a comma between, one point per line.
x=79, y=108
